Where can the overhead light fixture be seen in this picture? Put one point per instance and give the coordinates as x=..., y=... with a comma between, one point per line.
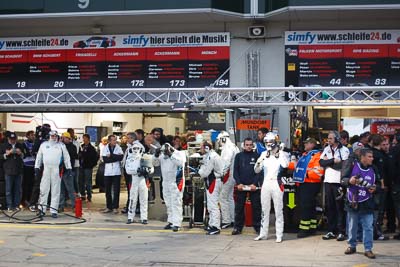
x=182, y=106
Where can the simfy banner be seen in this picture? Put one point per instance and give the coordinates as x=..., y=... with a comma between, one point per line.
x=116, y=41
x=116, y=61
x=342, y=58
x=342, y=37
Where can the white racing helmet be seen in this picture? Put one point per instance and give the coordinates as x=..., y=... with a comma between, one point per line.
x=167, y=149
x=270, y=141
x=222, y=138
x=136, y=149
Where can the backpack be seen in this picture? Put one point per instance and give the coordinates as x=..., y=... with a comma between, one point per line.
x=132, y=163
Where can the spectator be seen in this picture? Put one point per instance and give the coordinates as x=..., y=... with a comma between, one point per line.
x=76, y=164
x=159, y=137
x=13, y=165
x=344, y=140
x=361, y=184
x=395, y=153
x=140, y=136
x=29, y=167
x=67, y=181
x=100, y=169
x=177, y=142
x=375, y=144
x=260, y=147
x=123, y=144
x=88, y=160
x=364, y=139
x=331, y=159
x=112, y=156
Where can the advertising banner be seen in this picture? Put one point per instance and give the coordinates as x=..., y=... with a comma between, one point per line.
x=342, y=58
x=115, y=61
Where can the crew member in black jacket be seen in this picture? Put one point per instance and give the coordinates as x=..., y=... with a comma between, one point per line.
x=88, y=160
x=247, y=181
x=13, y=165
x=67, y=183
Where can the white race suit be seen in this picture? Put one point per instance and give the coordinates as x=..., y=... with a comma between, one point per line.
x=272, y=163
x=138, y=189
x=51, y=154
x=228, y=153
x=173, y=184
x=211, y=171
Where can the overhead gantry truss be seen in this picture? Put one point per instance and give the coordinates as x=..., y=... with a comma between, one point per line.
x=200, y=99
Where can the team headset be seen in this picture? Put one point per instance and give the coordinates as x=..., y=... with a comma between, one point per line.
x=337, y=138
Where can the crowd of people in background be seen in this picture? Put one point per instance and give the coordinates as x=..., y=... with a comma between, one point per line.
x=23, y=164
x=358, y=176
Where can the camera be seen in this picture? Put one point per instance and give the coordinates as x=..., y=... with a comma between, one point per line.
x=42, y=132
x=143, y=171
x=363, y=183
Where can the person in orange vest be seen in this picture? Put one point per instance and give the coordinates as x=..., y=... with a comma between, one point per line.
x=308, y=173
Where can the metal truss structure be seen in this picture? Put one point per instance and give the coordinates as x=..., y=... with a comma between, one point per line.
x=197, y=99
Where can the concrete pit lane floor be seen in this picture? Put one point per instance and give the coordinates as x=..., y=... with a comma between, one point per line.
x=105, y=240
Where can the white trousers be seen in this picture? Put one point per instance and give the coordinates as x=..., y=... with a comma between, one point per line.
x=50, y=180
x=271, y=191
x=212, y=203
x=173, y=200
x=138, y=189
x=227, y=202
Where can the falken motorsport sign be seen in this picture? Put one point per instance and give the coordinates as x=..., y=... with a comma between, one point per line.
x=115, y=61
x=342, y=58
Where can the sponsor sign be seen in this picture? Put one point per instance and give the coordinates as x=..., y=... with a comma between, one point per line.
x=342, y=58
x=115, y=61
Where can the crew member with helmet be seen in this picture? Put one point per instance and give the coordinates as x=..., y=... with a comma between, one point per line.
x=228, y=153
x=50, y=154
x=139, y=189
x=172, y=164
x=211, y=171
x=272, y=162
x=41, y=135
